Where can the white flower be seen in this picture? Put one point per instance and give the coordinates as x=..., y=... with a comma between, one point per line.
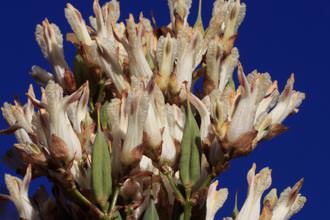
x=252, y=90
x=289, y=203
x=118, y=121
x=50, y=40
x=288, y=103
x=176, y=120
x=258, y=183
x=215, y=200
x=189, y=47
x=57, y=109
x=156, y=115
x=18, y=194
x=136, y=108
x=236, y=14
x=138, y=64
x=78, y=24
x=166, y=52
x=78, y=110
x=180, y=8
x=19, y=119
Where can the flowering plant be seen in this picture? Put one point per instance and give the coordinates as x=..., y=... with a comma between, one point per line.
x=126, y=132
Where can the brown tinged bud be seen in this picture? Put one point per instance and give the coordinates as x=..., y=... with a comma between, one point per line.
x=244, y=144
x=275, y=130
x=58, y=149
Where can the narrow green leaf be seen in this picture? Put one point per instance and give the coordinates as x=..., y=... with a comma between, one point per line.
x=104, y=119
x=190, y=150
x=101, y=168
x=151, y=212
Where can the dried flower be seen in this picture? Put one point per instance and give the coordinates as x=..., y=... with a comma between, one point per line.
x=215, y=200
x=122, y=134
x=18, y=194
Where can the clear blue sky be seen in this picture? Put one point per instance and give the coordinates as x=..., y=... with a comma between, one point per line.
x=278, y=36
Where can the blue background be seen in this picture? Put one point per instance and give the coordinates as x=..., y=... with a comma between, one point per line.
x=278, y=36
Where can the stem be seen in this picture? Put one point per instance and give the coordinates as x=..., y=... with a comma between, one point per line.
x=187, y=211
x=207, y=181
x=114, y=201
x=177, y=192
x=83, y=200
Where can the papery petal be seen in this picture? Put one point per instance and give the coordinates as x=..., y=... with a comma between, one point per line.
x=58, y=118
x=77, y=24
x=243, y=118
x=213, y=61
x=166, y=52
x=258, y=183
x=138, y=64
x=289, y=203
x=189, y=46
x=18, y=191
x=176, y=120
x=137, y=109
x=227, y=68
x=78, y=110
x=50, y=40
x=288, y=103
x=215, y=200
x=180, y=8
x=156, y=118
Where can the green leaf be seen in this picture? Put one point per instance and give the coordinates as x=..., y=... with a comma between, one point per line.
x=151, y=212
x=104, y=118
x=101, y=168
x=190, y=151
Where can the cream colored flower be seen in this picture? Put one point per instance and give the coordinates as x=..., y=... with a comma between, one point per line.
x=50, y=40
x=136, y=108
x=258, y=183
x=215, y=200
x=18, y=194
x=78, y=24
x=289, y=203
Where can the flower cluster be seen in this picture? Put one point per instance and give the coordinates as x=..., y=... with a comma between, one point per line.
x=122, y=134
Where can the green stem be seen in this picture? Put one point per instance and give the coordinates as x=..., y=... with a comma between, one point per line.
x=187, y=211
x=207, y=182
x=83, y=200
x=177, y=192
x=114, y=201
